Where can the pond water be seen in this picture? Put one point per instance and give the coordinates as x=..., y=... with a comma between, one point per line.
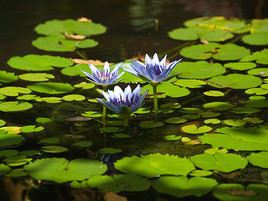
x=209, y=140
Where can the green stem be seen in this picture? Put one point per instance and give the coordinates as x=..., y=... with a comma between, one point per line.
x=83, y=56
x=155, y=98
x=126, y=122
x=104, y=115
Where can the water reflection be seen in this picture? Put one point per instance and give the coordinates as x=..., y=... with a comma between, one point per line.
x=143, y=14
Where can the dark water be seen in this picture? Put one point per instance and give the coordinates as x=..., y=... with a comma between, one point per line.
x=134, y=27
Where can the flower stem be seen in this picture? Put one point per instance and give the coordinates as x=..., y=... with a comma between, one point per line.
x=104, y=115
x=126, y=122
x=104, y=110
x=155, y=98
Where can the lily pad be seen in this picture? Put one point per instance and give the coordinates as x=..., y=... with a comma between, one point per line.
x=10, y=139
x=36, y=77
x=74, y=97
x=14, y=91
x=151, y=124
x=190, y=83
x=61, y=170
x=193, y=129
x=7, y=77
x=175, y=120
x=235, y=81
x=258, y=38
x=118, y=183
x=154, y=165
x=219, y=162
x=259, y=159
x=241, y=66
x=261, y=57
x=51, y=87
x=34, y=62
x=183, y=187
x=214, y=93
x=235, y=122
x=14, y=106
x=54, y=149
x=172, y=137
x=198, y=70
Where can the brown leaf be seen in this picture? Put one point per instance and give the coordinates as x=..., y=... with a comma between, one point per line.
x=110, y=196
x=82, y=61
x=84, y=19
x=74, y=36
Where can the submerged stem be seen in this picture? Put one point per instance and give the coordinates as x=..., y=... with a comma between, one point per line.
x=155, y=98
x=126, y=122
x=104, y=110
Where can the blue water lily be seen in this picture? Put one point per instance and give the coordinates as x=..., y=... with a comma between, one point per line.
x=104, y=77
x=153, y=70
x=120, y=101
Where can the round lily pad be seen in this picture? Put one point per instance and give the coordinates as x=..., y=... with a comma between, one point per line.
x=172, y=137
x=259, y=159
x=193, y=129
x=234, y=122
x=74, y=97
x=14, y=106
x=151, y=124
x=241, y=66
x=34, y=62
x=154, y=165
x=235, y=81
x=182, y=186
x=258, y=38
x=14, y=91
x=190, y=83
x=175, y=120
x=51, y=87
x=263, y=72
x=214, y=93
x=36, y=77
x=54, y=149
x=7, y=77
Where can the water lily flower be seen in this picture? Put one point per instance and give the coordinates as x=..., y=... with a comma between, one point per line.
x=104, y=77
x=153, y=70
x=123, y=102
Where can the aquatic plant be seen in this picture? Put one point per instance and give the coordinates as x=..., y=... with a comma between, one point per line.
x=153, y=71
x=123, y=102
x=104, y=78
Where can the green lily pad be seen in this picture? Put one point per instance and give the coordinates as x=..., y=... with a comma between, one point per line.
x=154, y=165
x=198, y=70
x=84, y=85
x=43, y=120
x=214, y=93
x=219, y=162
x=237, y=192
x=54, y=149
x=7, y=77
x=201, y=173
x=14, y=91
x=212, y=121
x=109, y=150
x=244, y=139
x=4, y=169
x=76, y=70
x=10, y=139
x=51, y=87
x=259, y=159
x=70, y=26
x=182, y=186
x=8, y=153
x=151, y=124
x=118, y=183
x=52, y=100
x=263, y=72
x=235, y=81
x=36, y=77
x=74, y=97
x=258, y=38
x=241, y=66
x=82, y=144
x=50, y=140
x=34, y=62
x=257, y=91
x=175, y=120
x=172, y=137
x=226, y=52
x=14, y=106
x=60, y=44
x=261, y=57
x=31, y=129
x=16, y=161
x=61, y=170
x=235, y=122
x=190, y=83
x=193, y=129
x=2, y=122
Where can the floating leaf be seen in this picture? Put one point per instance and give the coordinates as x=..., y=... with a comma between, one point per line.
x=244, y=139
x=51, y=87
x=193, y=129
x=4, y=169
x=31, y=129
x=118, y=183
x=241, y=66
x=36, y=77
x=14, y=106
x=212, y=121
x=219, y=161
x=190, y=83
x=84, y=85
x=263, y=72
x=10, y=139
x=151, y=124
x=74, y=97
x=198, y=70
x=34, y=62
x=260, y=38
x=235, y=122
x=237, y=192
x=60, y=170
x=175, y=120
x=154, y=165
x=259, y=159
x=214, y=93
x=82, y=144
x=14, y=91
x=183, y=187
x=49, y=99
x=54, y=149
x=172, y=137
x=201, y=173
x=235, y=81
x=7, y=77
x=50, y=140
x=261, y=57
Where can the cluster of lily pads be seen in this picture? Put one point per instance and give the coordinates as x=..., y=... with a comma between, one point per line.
x=210, y=134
